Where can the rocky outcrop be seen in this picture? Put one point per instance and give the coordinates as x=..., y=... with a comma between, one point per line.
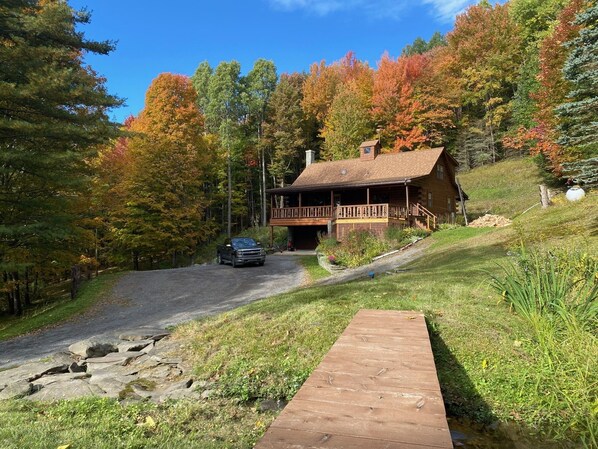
x=141, y=364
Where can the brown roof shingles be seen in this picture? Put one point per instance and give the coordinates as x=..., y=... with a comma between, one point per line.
x=384, y=168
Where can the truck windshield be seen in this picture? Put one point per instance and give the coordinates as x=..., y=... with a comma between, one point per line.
x=243, y=243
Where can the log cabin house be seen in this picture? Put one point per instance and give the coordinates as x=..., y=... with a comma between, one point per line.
x=372, y=192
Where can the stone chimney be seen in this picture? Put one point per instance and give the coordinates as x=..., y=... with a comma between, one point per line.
x=310, y=157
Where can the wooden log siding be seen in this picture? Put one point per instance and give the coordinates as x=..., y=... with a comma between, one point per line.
x=362, y=211
x=303, y=212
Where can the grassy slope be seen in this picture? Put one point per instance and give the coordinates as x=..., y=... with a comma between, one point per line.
x=58, y=311
x=507, y=188
x=486, y=359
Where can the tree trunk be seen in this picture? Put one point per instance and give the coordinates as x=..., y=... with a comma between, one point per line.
x=27, y=297
x=229, y=202
x=9, y=301
x=16, y=295
x=544, y=196
x=136, y=261
x=75, y=279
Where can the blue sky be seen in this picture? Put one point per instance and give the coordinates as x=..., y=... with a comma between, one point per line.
x=155, y=36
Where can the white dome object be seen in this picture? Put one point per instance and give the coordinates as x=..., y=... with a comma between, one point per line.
x=575, y=193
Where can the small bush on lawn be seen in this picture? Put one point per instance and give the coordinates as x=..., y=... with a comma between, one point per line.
x=398, y=237
x=359, y=248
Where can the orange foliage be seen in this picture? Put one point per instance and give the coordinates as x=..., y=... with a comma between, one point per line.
x=407, y=102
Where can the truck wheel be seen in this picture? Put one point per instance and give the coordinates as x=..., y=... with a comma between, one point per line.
x=261, y=264
x=219, y=259
x=233, y=262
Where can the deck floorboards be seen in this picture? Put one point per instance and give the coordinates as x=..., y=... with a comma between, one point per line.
x=376, y=388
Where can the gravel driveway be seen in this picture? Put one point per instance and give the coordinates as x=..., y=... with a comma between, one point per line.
x=161, y=298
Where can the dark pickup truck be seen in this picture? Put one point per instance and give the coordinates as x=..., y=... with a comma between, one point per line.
x=240, y=251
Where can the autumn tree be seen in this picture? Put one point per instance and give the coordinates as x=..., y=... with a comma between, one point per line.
x=165, y=202
x=53, y=114
x=486, y=49
x=408, y=102
x=543, y=136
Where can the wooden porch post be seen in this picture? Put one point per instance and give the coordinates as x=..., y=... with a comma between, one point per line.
x=368, y=196
x=407, y=198
x=299, y=199
x=332, y=198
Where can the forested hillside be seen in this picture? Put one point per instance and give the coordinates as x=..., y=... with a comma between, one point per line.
x=510, y=79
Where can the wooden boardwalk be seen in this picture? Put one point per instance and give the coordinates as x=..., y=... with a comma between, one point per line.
x=376, y=388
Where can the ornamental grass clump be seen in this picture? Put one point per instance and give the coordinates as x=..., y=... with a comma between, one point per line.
x=561, y=287
x=557, y=293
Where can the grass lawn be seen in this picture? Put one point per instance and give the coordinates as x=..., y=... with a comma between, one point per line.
x=489, y=364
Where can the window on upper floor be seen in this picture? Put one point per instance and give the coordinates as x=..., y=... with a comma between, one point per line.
x=440, y=171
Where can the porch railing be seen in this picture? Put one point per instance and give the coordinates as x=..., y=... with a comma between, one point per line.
x=303, y=212
x=359, y=211
x=362, y=211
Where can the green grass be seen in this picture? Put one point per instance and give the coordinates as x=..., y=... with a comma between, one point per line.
x=506, y=188
x=489, y=363
x=314, y=270
x=58, y=311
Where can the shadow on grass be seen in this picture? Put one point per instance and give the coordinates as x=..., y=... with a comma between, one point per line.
x=471, y=420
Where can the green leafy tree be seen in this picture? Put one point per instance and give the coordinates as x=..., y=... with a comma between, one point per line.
x=260, y=84
x=288, y=132
x=420, y=46
x=201, y=81
x=224, y=111
x=53, y=114
x=347, y=125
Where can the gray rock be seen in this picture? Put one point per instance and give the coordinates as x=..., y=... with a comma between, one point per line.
x=160, y=373
x=17, y=390
x=53, y=378
x=93, y=347
x=138, y=345
x=181, y=385
x=207, y=394
x=270, y=405
x=77, y=367
x=71, y=389
x=32, y=371
x=112, y=359
x=112, y=385
x=144, y=334
x=178, y=395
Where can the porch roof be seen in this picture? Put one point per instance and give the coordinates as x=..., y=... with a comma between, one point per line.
x=339, y=186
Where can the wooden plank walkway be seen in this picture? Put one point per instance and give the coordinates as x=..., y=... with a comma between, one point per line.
x=376, y=388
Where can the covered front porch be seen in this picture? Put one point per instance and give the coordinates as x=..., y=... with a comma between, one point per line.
x=337, y=212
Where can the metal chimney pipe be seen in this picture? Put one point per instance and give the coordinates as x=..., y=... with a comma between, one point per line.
x=310, y=157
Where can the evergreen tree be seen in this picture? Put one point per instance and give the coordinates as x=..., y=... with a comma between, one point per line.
x=579, y=124
x=53, y=113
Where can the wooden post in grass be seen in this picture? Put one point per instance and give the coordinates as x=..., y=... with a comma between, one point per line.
x=462, y=202
x=544, y=196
